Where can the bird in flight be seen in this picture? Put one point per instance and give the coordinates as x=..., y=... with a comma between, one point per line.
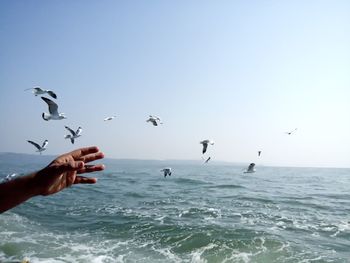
x=109, y=118
x=74, y=134
x=39, y=148
x=251, y=168
x=166, y=171
x=205, y=144
x=291, y=132
x=154, y=120
x=38, y=91
x=53, y=109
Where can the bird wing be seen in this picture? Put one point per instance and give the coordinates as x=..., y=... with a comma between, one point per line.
x=35, y=144
x=37, y=89
x=70, y=130
x=45, y=144
x=52, y=106
x=52, y=94
x=78, y=132
x=205, y=146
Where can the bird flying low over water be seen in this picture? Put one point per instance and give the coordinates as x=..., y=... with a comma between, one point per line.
x=166, y=171
x=74, y=134
x=109, y=118
x=291, y=132
x=40, y=148
x=53, y=109
x=154, y=120
x=251, y=168
x=205, y=145
x=38, y=91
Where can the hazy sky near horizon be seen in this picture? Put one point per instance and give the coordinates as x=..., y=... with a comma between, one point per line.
x=241, y=73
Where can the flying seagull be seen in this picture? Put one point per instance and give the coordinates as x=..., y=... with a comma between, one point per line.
x=259, y=153
x=53, y=109
x=205, y=145
x=250, y=168
x=38, y=91
x=40, y=148
x=74, y=134
x=109, y=118
x=166, y=171
x=154, y=120
x=291, y=132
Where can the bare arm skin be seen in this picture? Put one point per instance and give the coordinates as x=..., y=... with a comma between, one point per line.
x=62, y=172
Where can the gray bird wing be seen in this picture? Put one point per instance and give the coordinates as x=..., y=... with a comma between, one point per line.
x=52, y=94
x=70, y=130
x=35, y=144
x=205, y=146
x=52, y=106
x=38, y=89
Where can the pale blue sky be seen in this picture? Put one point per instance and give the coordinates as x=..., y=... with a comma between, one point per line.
x=238, y=72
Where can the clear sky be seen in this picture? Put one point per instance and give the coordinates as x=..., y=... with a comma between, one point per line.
x=238, y=72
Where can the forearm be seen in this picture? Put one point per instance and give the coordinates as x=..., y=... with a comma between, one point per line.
x=17, y=191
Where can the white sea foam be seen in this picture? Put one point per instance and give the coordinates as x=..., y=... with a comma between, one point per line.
x=196, y=256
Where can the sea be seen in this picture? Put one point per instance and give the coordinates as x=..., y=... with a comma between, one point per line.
x=201, y=213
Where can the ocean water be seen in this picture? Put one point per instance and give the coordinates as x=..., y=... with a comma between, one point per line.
x=202, y=213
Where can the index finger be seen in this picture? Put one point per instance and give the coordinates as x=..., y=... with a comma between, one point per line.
x=84, y=151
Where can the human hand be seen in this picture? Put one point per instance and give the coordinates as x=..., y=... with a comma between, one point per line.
x=63, y=171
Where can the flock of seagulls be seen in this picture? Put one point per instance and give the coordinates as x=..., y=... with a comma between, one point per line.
x=154, y=120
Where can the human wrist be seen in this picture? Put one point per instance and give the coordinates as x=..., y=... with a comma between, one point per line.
x=33, y=184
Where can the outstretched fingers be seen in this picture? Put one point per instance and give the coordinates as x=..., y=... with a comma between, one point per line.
x=91, y=168
x=79, y=153
x=84, y=180
x=92, y=157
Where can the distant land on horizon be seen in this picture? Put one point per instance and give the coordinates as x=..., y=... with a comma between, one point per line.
x=25, y=158
x=10, y=158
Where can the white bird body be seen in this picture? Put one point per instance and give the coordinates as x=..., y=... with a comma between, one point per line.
x=205, y=144
x=109, y=118
x=166, y=171
x=53, y=109
x=154, y=120
x=251, y=168
x=38, y=91
x=74, y=134
x=39, y=148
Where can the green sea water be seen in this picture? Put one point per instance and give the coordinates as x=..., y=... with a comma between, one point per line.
x=202, y=213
